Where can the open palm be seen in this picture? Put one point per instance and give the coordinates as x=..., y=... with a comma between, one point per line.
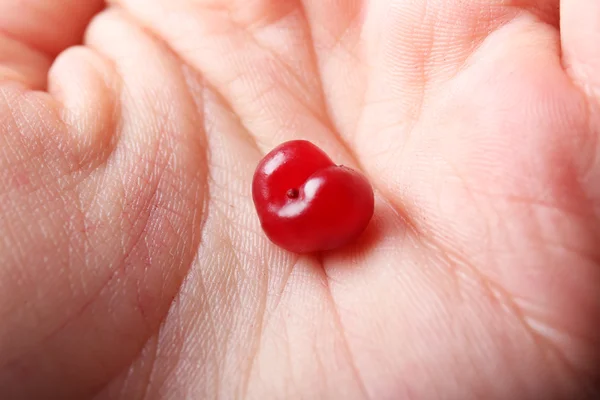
x=132, y=263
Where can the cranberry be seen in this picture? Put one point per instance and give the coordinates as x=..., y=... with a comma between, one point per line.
x=306, y=203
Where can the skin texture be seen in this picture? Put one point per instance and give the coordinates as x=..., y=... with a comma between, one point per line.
x=132, y=263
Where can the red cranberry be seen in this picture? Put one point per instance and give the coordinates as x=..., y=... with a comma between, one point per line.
x=306, y=203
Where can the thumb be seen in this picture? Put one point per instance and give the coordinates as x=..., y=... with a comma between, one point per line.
x=33, y=32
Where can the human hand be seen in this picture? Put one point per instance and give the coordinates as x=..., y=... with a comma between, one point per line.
x=132, y=264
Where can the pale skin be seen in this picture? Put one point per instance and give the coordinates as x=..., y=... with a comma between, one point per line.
x=132, y=263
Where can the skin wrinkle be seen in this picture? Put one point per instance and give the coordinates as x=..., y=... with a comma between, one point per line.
x=175, y=305
x=256, y=97
x=212, y=329
x=327, y=120
x=470, y=191
x=286, y=279
x=72, y=176
x=262, y=311
x=288, y=352
x=127, y=379
x=148, y=381
x=585, y=253
x=353, y=23
x=320, y=367
x=533, y=313
x=481, y=34
x=234, y=293
x=556, y=247
x=453, y=324
x=340, y=331
x=52, y=136
x=86, y=227
x=531, y=202
x=277, y=59
x=66, y=321
x=207, y=198
x=115, y=274
x=39, y=151
x=550, y=351
x=508, y=302
x=8, y=193
x=339, y=44
x=152, y=361
x=422, y=69
x=292, y=386
x=325, y=51
x=265, y=320
x=426, y=53
x=32, y=347
x=495, y=292
x=77, y=223
x=275, y=84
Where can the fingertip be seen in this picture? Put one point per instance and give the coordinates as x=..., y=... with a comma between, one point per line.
x=86, y=87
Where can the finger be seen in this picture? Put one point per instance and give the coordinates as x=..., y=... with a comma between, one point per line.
x=580, y=38
x=33, y=32
x=336, y=27
x=134, y=221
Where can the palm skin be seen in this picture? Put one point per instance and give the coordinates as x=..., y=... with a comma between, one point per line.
x=132, y=264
